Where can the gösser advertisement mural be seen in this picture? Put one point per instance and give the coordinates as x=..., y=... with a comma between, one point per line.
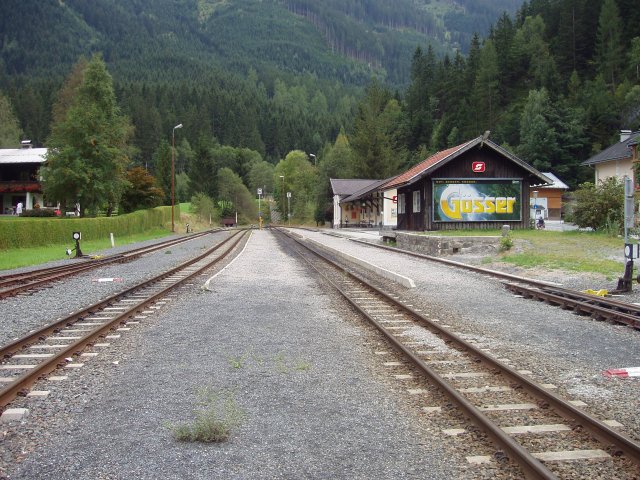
x=470, y=200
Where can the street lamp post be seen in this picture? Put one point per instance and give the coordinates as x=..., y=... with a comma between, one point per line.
x=283, y=213
x=289, y=207
x=173, y=168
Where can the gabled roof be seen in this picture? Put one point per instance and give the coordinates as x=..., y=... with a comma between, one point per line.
x=422, y=167
x=555, y=182
x=22, y=155
x=372, y=187
x=617, y=151
x=439, y=159
x=346, y=187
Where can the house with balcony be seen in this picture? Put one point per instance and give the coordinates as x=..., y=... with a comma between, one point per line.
x=19, y=178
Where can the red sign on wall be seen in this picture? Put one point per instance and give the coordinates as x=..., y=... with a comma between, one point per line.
x=394, y=199
x=478, y=167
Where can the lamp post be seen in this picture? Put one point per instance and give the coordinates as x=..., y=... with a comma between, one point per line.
x=173, y=161
x=283, y=213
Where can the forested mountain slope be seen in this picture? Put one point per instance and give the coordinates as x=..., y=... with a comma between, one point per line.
x=160, y=39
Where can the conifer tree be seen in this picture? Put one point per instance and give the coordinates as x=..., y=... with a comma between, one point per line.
x=538, y=141
x=486, y=85
x=88, y=153
x=10, y=131
x=609, y=52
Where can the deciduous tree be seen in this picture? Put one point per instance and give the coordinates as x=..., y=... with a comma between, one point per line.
x=142, y=192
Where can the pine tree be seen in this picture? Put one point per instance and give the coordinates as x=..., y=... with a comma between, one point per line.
x=609, y=51
x=9, y=128
x=486, y=85
x=374, y=138
x=538, y=140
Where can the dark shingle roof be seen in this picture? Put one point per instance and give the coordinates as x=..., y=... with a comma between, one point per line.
x=345, y=187
x=617, y=151
x=372, y=187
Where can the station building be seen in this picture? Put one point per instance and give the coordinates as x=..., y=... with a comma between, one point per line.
x=477, y=184
x=19, y=179
x=361, y=203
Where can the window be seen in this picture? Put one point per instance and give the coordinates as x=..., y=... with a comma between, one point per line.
x=401, y=203
x=416, y=201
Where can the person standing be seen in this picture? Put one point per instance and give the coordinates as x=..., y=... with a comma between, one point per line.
x=19, y=208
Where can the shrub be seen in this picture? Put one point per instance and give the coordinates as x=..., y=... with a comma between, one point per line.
x=600, y=207
x=39, y=212
x=36, y=232
x=506, y=243
x=203, y=206
x=214, y=421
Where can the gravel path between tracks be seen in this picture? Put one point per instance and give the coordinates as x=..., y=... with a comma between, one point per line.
x=557, y=346
x=21, y=313
x=267, y=333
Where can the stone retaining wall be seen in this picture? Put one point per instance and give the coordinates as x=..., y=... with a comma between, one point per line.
x=435, y=246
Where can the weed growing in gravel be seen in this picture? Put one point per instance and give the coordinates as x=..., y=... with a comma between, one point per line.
x=238, y=362
x=283, y=367
x=302, y=365
x=218, y=415
x=281, y=364
x=168, y=252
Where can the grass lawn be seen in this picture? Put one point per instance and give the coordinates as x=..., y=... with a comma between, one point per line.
x=572, y=251
x=23, y=257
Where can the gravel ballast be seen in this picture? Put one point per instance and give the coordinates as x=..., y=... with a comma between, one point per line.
x=269, y=335
x=557, y=346
x=25, y=312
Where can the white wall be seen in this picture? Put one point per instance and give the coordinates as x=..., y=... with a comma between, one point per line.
x=390, y=209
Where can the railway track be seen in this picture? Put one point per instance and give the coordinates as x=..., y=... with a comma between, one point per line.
x=60, y=343
x=19, y=283
x=598, y=308
x=545, y=435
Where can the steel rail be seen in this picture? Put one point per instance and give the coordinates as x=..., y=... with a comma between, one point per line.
x=597, y=309
x=611, y=309
x=36, y=335
x=47, y=275
x=16, y=277
x=8, y=393
x=598, y=429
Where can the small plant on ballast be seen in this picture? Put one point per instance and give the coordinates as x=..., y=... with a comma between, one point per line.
x=506, y=242
x=217, y=416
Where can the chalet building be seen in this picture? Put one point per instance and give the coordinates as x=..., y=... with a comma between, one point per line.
x=616, y=160
x=477, y=184
x=548, y=198
x=19, y=180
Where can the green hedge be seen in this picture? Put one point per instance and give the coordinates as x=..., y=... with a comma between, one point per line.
x=35, y=232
